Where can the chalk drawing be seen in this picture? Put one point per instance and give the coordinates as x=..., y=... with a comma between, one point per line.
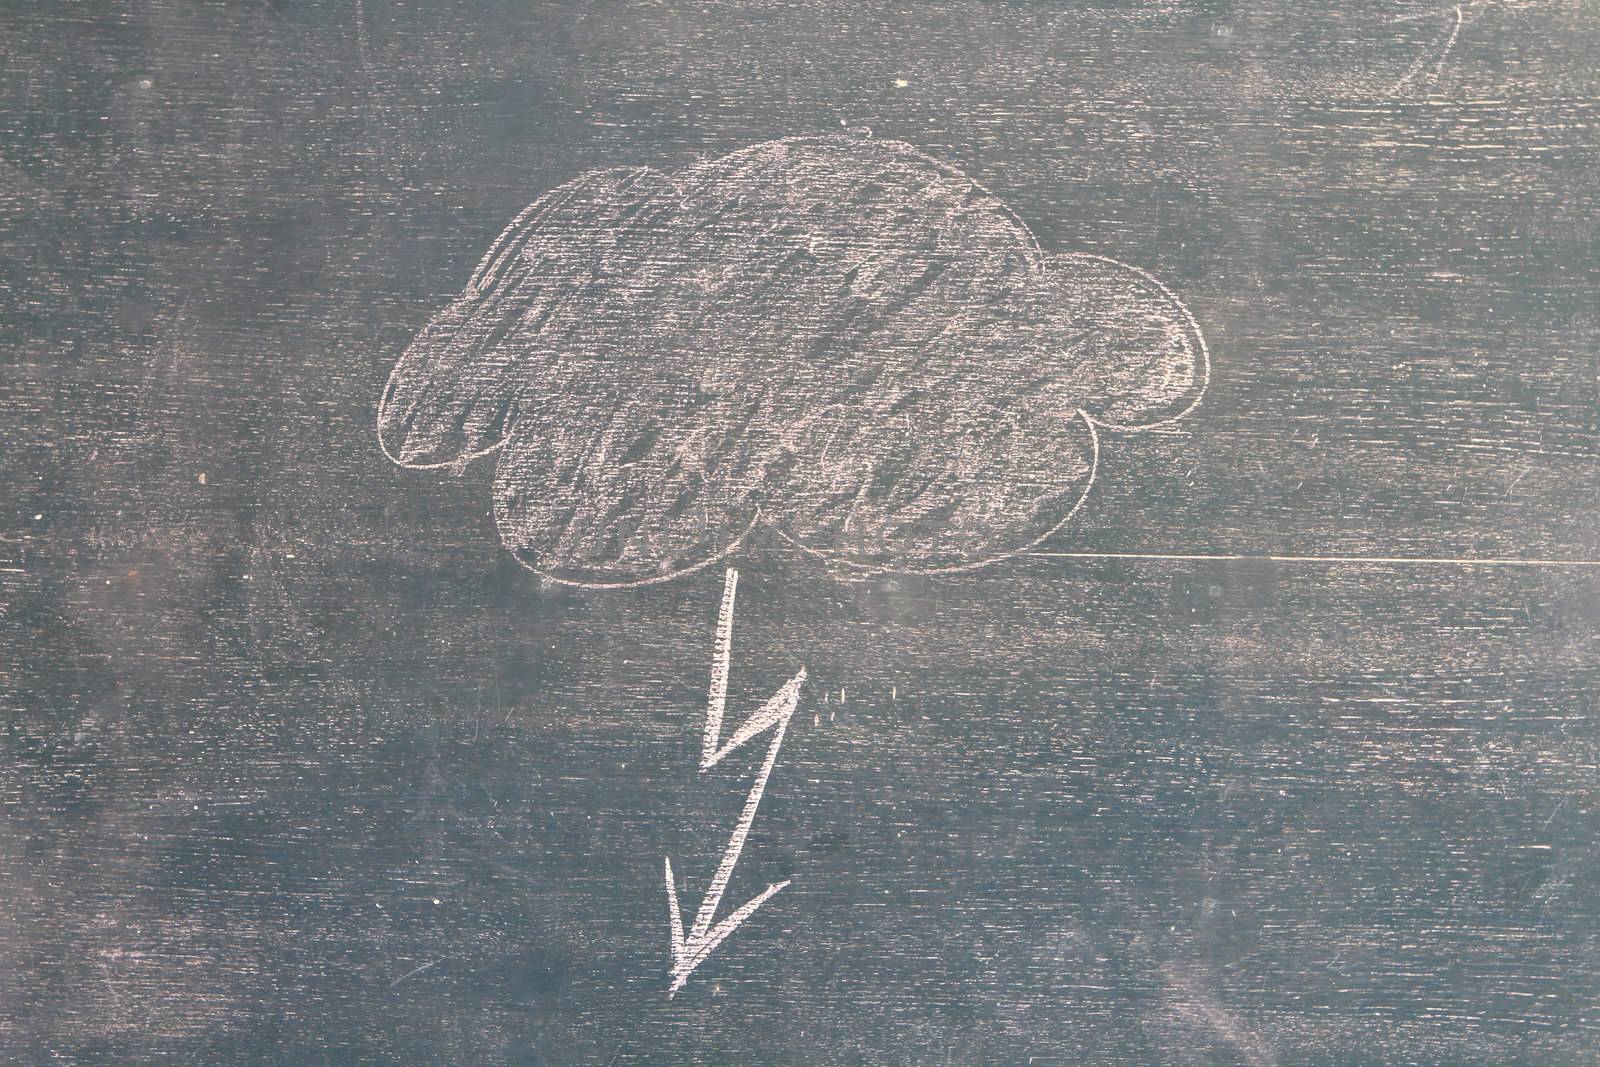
x=836, y=337
x=691, y=949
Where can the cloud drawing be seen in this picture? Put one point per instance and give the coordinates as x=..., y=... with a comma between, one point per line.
x=838, y=337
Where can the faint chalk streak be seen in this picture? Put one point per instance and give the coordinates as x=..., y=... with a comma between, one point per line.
x=414, y=972
x=1222, y=557
x=1194, y=1002
x=1438, y=67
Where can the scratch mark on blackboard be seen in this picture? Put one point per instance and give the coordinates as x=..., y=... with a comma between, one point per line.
x=414, y=971
x=1561, y=804
x=1450, y=561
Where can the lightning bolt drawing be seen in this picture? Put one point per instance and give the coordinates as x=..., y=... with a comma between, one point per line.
x=688, y=952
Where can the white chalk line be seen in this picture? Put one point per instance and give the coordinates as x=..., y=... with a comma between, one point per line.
x=1450, y=42
x=1421, y=60
x=1240, y=557
x=689, y=951
x=718, y=697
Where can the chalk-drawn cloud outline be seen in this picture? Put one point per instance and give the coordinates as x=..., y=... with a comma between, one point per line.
x=838, y=337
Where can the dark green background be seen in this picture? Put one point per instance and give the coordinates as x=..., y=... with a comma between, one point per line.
x=283, y=724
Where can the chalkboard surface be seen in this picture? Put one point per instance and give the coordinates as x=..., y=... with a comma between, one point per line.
x=1266, y=735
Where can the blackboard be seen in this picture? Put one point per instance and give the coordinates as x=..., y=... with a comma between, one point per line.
x=1281, y=750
